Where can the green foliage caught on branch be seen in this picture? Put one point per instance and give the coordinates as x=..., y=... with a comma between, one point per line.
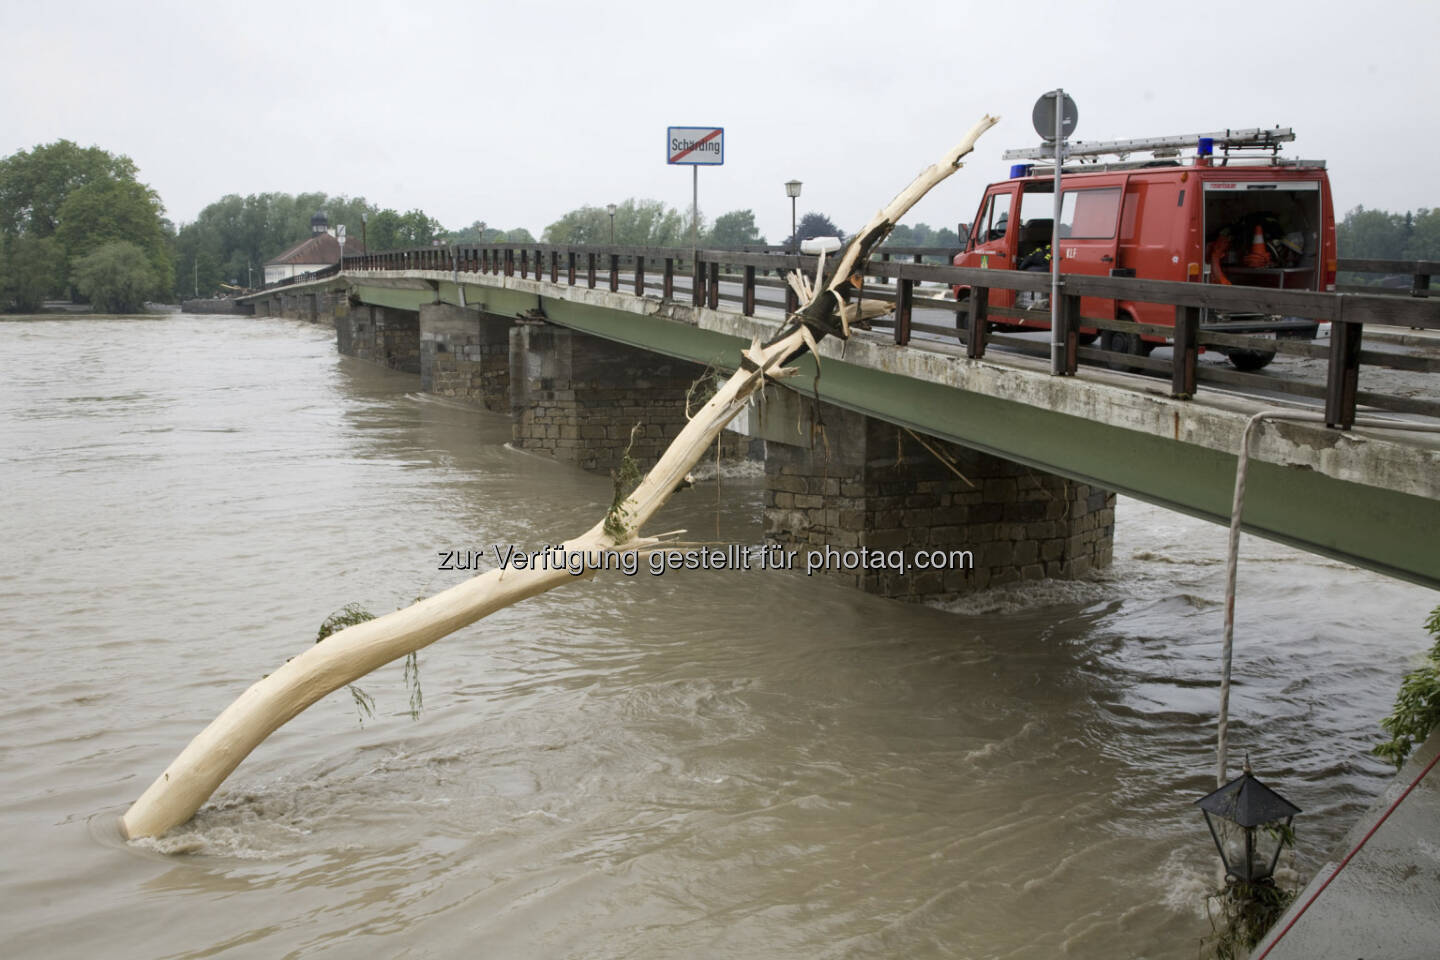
x=1417, y=705
x=116, y=278
x=348, y=616
x=626, y=479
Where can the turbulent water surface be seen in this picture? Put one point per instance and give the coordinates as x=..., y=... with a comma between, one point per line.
x=699, y=764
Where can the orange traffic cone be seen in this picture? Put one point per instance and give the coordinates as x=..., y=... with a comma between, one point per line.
x=1259, y=255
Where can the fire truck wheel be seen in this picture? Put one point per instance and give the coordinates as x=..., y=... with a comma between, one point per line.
x=1251, y=359
x=1115, y=342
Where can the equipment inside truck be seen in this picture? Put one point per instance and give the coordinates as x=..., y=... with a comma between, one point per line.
x=1263, y=234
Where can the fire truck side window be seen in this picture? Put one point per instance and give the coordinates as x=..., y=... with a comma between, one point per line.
x=1089, y=214
x=996, y=219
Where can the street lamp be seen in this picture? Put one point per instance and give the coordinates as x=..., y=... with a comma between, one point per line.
x=612, y=208
x=364, y=219
x=792, y=190
x=1249, y=804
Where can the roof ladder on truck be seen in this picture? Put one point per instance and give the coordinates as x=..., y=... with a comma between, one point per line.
x=1254, y=139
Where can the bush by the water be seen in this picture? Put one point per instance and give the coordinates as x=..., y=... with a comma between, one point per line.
x=116, y=278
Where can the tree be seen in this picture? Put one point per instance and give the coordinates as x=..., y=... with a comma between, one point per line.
x=106, y=211
x=1424, y=240
x=29, y=272
x=80, y=197
x=815, y=225
x=116, y=278
x=34, y=184
x=391, y=230
x=641, y=223
x=1371, y=234
x=734, y=229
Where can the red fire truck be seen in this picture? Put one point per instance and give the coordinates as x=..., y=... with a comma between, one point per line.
x=1234, y=212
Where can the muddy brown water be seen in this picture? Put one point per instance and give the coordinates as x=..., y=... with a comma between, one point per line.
x=702, y=764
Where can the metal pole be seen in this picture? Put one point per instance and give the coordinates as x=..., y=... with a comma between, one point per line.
x=695, y=206
x=1057, y=341
x=794, y=240
x=197, y=274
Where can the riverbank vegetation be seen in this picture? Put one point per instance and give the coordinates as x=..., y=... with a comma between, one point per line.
x=1417, y=705
x=61, y=203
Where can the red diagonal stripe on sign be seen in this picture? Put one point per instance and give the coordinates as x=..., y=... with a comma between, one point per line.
x=703, y=140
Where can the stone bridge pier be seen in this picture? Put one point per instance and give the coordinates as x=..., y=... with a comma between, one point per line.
x=465, y=354
x=381, y=335
x=578, y=398
x=857, y=488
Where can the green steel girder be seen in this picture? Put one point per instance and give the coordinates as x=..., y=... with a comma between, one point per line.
x=1393, y=533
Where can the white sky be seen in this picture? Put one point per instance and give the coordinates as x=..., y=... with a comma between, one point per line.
x=516, y=112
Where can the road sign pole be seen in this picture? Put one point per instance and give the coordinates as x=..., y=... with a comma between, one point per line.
x=1057, y=338
x=695, y=207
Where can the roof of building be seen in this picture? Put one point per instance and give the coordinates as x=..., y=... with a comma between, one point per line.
x=317, y=248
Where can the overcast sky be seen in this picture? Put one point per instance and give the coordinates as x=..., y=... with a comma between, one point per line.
x=514, y=113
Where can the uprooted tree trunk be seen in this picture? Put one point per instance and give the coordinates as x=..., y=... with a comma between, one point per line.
x=827, y=309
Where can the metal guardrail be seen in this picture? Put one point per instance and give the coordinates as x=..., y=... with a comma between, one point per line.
x=1347, y=313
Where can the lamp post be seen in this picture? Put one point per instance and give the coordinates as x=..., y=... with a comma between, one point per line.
x=364, y=219
x=611, y=208
x=1247, y=803
x=792, y=190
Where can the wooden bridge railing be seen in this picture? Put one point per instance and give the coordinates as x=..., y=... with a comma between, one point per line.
x=640, y=270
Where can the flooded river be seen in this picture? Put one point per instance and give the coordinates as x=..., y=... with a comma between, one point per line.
x=702, y=764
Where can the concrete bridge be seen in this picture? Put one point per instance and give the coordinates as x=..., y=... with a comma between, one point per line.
x=918, y=437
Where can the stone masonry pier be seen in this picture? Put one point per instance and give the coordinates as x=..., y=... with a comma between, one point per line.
x=381, y=335
x=578, y=398
x=865, y=485
x=465, y=354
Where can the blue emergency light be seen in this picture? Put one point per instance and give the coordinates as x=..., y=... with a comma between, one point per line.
x=1019, y=170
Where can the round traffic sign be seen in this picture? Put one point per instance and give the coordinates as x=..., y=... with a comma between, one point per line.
x=1044, y=115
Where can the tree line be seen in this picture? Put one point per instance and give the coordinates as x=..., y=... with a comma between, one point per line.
x=1382, y=235
x=77, y=223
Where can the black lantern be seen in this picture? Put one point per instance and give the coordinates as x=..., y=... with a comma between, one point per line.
x=1263, y=817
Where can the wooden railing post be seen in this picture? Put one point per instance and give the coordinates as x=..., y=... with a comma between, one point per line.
x=712, y=300
x=639, y=276
x=1182, y=365
x=570, y=268
x=668, y=291
x=590, y=269
x=747, y=305
x=1070, y=325
x=977, y=325
x=904, y=304
x=792, y=299
x=697, y=280
x=1344, y=375
x=614, y=272
x=554, y=266
x=885, y=258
